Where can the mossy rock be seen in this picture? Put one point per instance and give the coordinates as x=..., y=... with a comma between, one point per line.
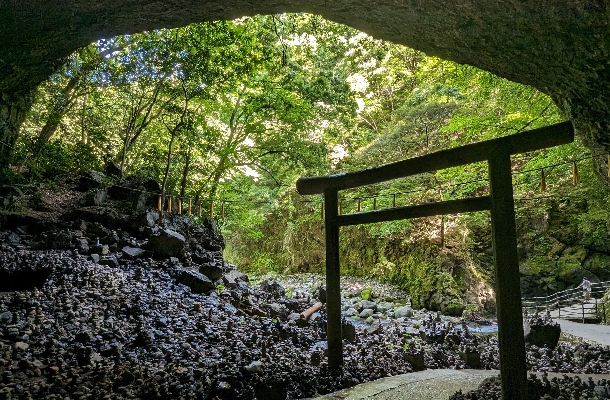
x=365, y=294
x=599, y=264
x=571, y=260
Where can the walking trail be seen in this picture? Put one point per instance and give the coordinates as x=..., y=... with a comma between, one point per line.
x=440, y=384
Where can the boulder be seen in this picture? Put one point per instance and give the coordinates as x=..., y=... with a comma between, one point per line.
x=167, y=243
x=200, y=256
x=272, y=289
x=6, y=317
x=542, y=335
x=109, y=260
x=276, y=310
x=132, y=252
x=403, y=312
x=212, y=270
x=82, y=245
x=101, y=249
x=95, y=197
x=473, y=360
x=90, y=180
x=416, y=360
x=198, y=283
x=348, y=331
x=231, y=278
x=374, y=328
x=369, y=304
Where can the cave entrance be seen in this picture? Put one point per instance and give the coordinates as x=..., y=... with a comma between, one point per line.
x=499, y=202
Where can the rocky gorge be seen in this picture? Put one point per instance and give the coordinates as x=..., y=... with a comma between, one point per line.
x=103, y=302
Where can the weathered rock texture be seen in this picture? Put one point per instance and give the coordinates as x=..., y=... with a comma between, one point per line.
x=559, y=47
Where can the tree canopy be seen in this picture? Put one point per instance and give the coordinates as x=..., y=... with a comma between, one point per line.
x=232, y=113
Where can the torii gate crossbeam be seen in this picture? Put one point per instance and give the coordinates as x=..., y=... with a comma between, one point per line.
x=500, y=202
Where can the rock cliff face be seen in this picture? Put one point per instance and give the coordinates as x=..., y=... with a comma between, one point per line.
x=561, y=48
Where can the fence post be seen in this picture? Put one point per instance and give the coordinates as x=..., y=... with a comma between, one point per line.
x=223, y=210
x=394, y=201
x=341, y=207
x=169, y=204
x=583, y=312
x=374, y=203
x=359, y=205
x=190, y=206
x=159, y=204
x=199, y=211
x=179, y=206
x=211, y=209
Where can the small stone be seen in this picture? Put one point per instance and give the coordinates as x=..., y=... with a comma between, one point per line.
x=255, y=366
x=6, y=317
x=21, y=346
x=366, y=313
x=102, y=249
x=109, y=260
x=369, y=304
x=13, y=238
x=351, y=312
x=374, y=328
x=132, y=252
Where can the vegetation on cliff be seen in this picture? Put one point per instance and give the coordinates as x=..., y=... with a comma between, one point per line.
x=230, y=114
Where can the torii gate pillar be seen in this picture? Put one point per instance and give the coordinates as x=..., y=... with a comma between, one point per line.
x=511, y=340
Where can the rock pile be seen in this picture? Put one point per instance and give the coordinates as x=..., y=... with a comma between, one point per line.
x=564, y=388
x=149, y=309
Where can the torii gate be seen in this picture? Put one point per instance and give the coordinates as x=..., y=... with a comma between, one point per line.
x=500, y=202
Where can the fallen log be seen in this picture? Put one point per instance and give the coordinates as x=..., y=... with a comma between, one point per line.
x=307, y=313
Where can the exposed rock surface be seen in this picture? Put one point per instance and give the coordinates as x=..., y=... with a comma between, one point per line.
x=139, y=327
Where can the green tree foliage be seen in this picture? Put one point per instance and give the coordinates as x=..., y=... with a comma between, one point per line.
x=232, y=113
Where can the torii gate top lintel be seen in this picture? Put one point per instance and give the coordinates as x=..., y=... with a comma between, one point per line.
x=500, y=202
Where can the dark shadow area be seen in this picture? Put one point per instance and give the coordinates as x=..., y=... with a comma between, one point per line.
x=23, y=280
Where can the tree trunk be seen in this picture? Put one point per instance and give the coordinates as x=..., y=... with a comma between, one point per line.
x=56, y=114
x=13, y=110
x=185, y=172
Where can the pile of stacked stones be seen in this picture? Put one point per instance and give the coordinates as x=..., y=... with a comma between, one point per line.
x=543, y=389
x=174, y=319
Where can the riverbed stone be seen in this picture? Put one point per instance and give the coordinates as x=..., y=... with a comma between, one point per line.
x=403, y=312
